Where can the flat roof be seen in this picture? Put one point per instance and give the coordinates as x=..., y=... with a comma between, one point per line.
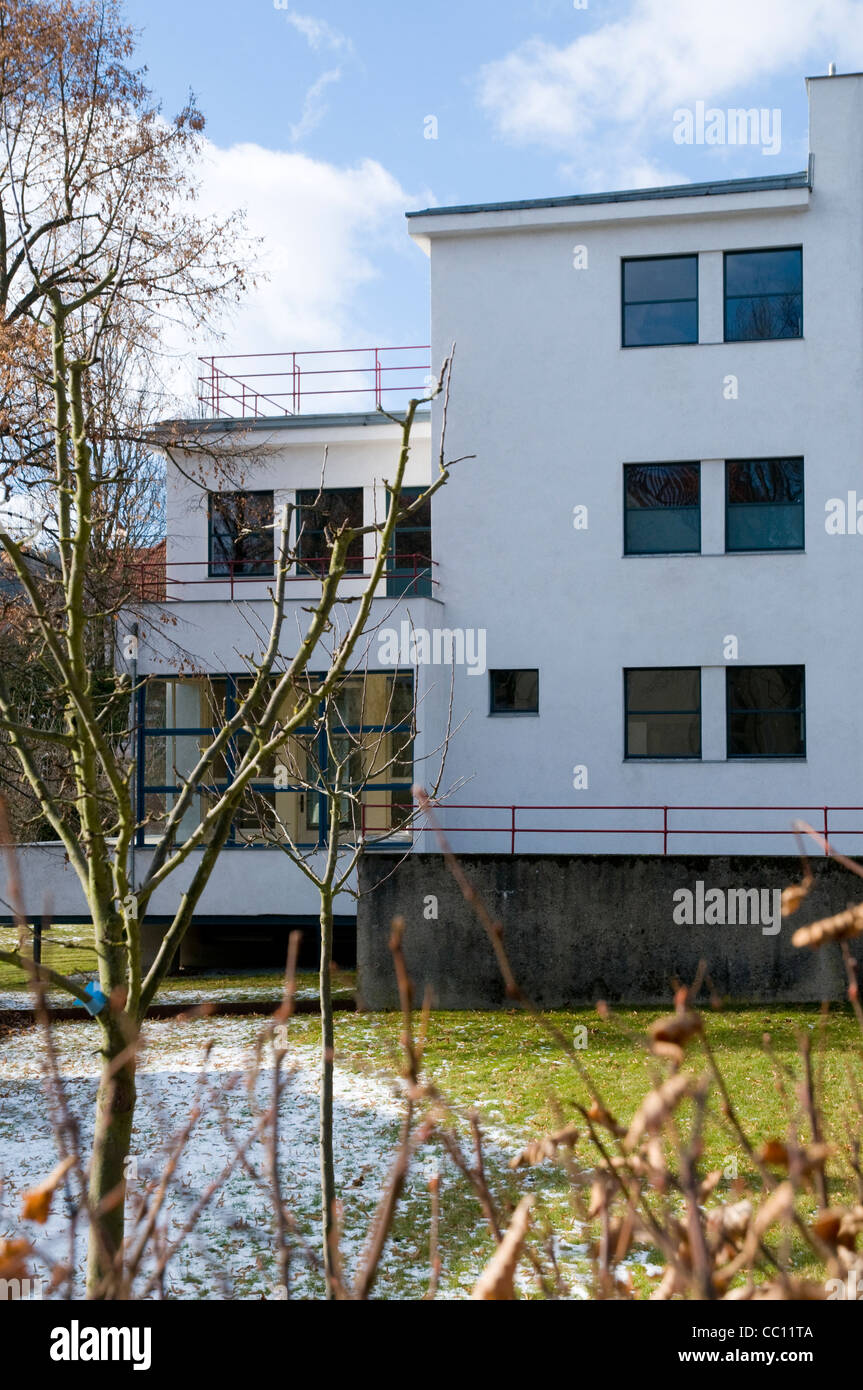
x=764, y=183
x=165, y=430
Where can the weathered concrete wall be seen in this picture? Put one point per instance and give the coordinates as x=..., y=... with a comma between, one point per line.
x=590, y=927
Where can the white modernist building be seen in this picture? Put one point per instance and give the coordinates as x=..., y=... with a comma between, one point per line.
x=648, y=576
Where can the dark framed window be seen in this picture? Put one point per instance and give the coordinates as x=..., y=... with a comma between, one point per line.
x=663, y=712
x=766, y=711
x=660, y=301
x=662, y=508
x=763, y=294
x=320, y=515
x=514, y=692
x=410, y=559
x=240, y=534
x=764, y=504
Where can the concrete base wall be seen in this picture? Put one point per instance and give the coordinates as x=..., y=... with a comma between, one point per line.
x=590, y=927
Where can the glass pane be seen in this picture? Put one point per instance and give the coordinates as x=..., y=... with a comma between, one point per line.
x=320, y=517
x=667, y=532
x=764, y=272
x=768, y=316
x=515, y=692
x=241, y=530
x=669, y=277
x=663, y=689
x=663, y=736
x=765, y=688
x=655, y=325
x=765, y=528
x=662, y=484
x=765, y=480
x=765, y=736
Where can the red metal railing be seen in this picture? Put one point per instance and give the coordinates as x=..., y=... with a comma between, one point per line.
x=288, y=381
x=662, y=830
x=154, y=580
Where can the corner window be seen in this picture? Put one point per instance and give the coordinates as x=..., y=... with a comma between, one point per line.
x=763, y=294
x=764, y=504
x=660, y=301
x=514, y=692
x=410, y=559
x=662, y=508
x=241, y=534
x=765, y=708
x=663, y=712
x=320, y=515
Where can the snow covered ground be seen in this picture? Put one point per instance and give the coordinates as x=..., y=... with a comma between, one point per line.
x=231, y=1253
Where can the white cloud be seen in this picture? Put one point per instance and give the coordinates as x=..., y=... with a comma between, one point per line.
x=314, y=106
x=629, y=75
x=317, y=32
x=324, y=229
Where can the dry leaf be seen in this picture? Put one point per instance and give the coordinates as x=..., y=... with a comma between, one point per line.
x=36, y=1202
x=497, y=1281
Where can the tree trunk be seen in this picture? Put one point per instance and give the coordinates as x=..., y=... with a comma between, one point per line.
x=115, y=1111
x=328, y=1175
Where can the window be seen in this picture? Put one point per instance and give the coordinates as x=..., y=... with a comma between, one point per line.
x=663, y=712
x=662, y=508
x=765, y=708
x=241, y=534
x=372, y=732
x=660, y=301
x=763, y=294
x=514, y=692
x=319, y=516
x=764, y=504
x=410, y=558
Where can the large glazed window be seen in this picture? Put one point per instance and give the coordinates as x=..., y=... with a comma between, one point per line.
x=662, y=508
x=764, y=504
x=763, y=294
x=663, y=712
x=766, y=711
x=371, y=736
x=660, y=301
x=241, y=534
x=320, y=515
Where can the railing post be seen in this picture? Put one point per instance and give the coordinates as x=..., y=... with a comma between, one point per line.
x=377, y=378
x=665, y=830
x=231, y=572
x=826, y=837
x=512, y=830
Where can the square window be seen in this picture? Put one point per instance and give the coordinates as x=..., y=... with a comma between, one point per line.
x=514, y=692
x=763, y=294
x=319, y=516
x=764, y=504
x=765, y=710
x=241, y=534
x=660, y=301
x=663, y=712
x=662, y=508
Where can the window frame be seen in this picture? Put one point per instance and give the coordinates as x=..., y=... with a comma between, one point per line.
x=767, y=549
x=752, y=251
x=416, y=582
x=355, y=564
x=686, y=299
x=730, y=671
x=232, y=567
x=665, y=463
x=627, y=712
x=511, y=713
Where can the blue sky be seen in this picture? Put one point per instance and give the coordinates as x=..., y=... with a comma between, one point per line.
x=317, y=112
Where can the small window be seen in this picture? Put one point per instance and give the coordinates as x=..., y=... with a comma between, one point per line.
x=763, y=294
x=766, y=711
x=320, y=515
x=660, y=301
x=662, y=508
x=241, y=534
x=663, y=712
x=410, y=558
x=514, y=692
x=764, y=504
